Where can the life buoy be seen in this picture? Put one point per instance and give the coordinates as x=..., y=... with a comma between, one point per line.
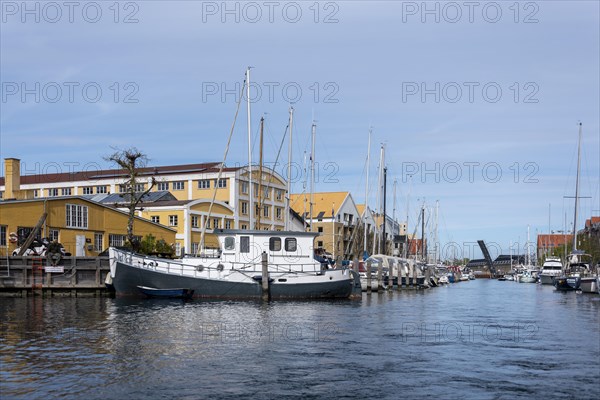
x=13, y=238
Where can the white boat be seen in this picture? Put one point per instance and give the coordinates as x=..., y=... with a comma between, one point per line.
x=551, y=268
x=236, y=271
x=529, y=276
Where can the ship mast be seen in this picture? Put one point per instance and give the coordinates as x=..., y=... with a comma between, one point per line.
x=577, y=192
x=289, y=173
x=250, y=188
x=366, y=198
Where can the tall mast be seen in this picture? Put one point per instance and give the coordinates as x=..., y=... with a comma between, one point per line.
x=577, y=192
x=250, y=186
x=384, y=210
x=395, y=224
x=304, y=190
x=437, y=239
x=260, y=166
x=527, y=246
x=312, y=173
x=289, y=173
x=423, y=232
x=366, y=197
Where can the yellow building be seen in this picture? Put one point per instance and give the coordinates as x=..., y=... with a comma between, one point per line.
x=190, y=189
x=84, y=227
x=185, y=182
x=335, y=216
x=188, y=217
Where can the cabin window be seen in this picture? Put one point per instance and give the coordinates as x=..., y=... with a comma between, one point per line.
x=244, y=244
x=290, y=244
x=229, y=243
x=275, y=244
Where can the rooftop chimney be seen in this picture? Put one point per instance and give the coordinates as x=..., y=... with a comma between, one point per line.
x=12, y=178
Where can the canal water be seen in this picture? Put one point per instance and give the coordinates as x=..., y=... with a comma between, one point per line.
x=480, y=339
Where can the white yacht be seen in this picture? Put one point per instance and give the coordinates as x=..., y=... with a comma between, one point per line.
x=552, y=268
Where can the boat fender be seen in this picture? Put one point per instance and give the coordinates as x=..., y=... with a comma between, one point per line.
x=220, y=267
x=200, y=268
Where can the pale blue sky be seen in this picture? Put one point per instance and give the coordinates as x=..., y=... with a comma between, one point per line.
x=367, y=61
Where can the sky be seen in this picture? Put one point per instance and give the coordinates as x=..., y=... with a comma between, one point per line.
x=476, y=103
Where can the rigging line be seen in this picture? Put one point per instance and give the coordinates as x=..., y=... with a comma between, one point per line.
x=203, y=233
x=271, y=175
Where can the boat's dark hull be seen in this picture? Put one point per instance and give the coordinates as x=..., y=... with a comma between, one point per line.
x=566, y=283
x=128, y=278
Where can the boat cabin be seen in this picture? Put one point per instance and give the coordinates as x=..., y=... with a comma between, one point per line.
x=282, y=247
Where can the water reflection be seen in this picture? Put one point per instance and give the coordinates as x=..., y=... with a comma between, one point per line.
x=478, y=339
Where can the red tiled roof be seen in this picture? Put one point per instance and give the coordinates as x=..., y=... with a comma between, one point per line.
x=115, y=173
x=592, y=221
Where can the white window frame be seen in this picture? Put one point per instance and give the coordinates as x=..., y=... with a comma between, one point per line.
x=194, y=221
x=76, y=216
x=162, y=186
x=101, y=189
x=98, y=241
x=173, y=220
x=88, y=190
x=53, y=192
x=179, y=185
x=204, y=184
x=155, y=219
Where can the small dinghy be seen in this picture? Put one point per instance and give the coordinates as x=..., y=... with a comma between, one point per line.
x=176, y=293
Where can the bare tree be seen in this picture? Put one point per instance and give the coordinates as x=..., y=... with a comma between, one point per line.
x=131, y=160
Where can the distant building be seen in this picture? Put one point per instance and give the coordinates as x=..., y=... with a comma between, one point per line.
x=335, y=216
x=548, y=244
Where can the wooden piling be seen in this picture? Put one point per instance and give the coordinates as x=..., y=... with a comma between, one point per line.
x=265, y=277
x=380, y=277
x=399, y=272
x=369, y=277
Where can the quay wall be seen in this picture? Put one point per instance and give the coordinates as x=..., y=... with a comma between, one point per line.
x=77, y=277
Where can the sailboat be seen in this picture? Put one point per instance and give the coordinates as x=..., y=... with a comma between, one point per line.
x=250, y=264
x=577, y=274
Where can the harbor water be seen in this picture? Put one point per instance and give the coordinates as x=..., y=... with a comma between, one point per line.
x=480, y=339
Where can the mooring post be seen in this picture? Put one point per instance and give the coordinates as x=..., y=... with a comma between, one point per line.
x=265, y=277
x=368, y=276
x=391, y=276
x=379, y=277
x=400, y=269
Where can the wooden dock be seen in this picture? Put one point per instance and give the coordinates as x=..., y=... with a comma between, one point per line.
x=71, y=277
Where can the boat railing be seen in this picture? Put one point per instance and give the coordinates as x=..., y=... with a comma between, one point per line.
x=200, y=270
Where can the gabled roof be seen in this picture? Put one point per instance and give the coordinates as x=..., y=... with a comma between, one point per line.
x=323, y=203
x=93, y=174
